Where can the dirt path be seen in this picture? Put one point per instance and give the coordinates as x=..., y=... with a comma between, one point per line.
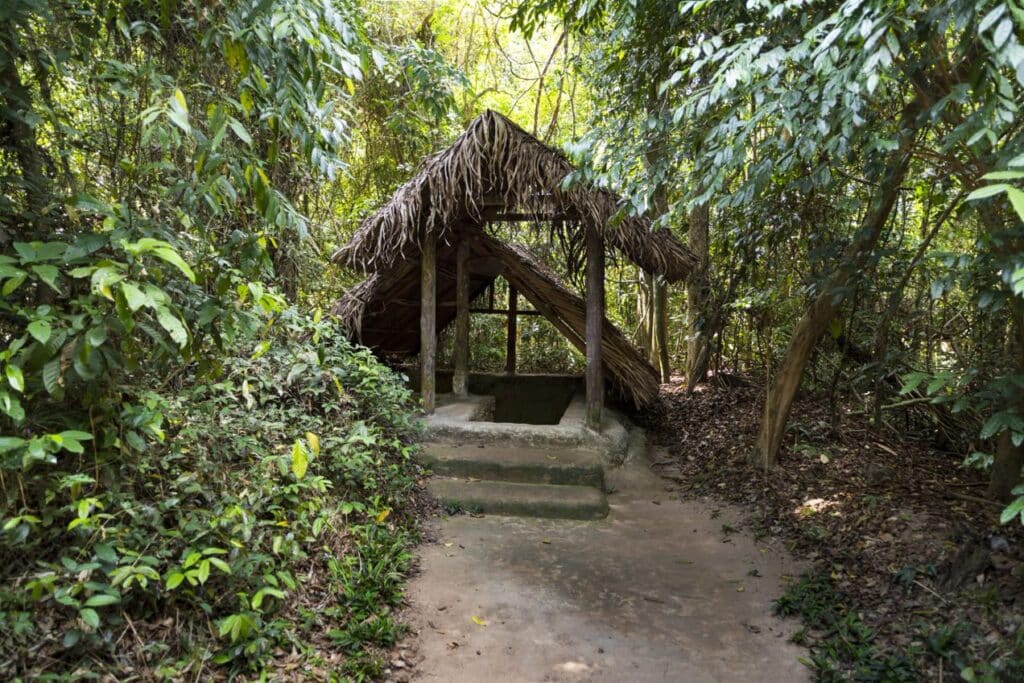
x=660, y=591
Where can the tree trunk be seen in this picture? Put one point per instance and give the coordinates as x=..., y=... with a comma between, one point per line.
x=17, y=134
x=660, y=328
x=643, y=312
x=1005, y=474
x=815, y=321
x=698, y=346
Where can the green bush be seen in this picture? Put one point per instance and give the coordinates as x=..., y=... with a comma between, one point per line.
x=217, y=524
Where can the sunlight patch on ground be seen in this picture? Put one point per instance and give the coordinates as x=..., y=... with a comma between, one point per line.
x=813, y=506
x=573, y=667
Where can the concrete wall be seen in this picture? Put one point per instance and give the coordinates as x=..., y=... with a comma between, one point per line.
x=529, y=399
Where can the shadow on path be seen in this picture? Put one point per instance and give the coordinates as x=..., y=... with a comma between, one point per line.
x=659, y=591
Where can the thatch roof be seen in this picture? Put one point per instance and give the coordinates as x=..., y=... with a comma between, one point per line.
x=382, y=312
x=497, y=166
x=496, y=171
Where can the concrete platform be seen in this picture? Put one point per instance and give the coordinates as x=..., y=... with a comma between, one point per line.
x=525, y=500
x=516, y=464
x=454, y=422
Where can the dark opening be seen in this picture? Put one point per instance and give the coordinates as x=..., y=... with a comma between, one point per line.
x=533, y=403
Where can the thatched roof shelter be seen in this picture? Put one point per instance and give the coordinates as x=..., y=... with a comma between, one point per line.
x=430, y=237
x=497, y=169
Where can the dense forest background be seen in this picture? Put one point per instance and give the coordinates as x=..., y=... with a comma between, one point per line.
x=184, y=428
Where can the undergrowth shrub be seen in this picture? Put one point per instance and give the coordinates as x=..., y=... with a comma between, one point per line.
x=843, y=647
x=221, y=521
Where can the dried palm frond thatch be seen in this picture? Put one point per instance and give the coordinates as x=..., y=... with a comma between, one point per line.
x=497, y=163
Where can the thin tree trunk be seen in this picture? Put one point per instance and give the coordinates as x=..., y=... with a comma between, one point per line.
x=822, y=309
x=643, y=312
x=660, y=328
x=1005, y=473
x=698, y=354
x=18, y=135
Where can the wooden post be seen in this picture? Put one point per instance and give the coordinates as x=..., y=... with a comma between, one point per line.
x=510, y=342
x=428, y=321
x=595, y=321
x=460, y=378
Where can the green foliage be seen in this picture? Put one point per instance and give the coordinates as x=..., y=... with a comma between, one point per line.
x=161, y=163
x=216, y=520
x=845, y=648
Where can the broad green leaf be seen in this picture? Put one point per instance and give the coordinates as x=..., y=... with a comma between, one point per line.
x=90, y=617
x=220, y=564
x=177, y=111
x=96, y=336
x=9, y=443
x=299, y=460
x=13, y=283
x=993, y=425
x=105, y=552
x=240, y=130
x=15, y=378
x=1013, y=510
x=73, y=446
x=172, y=325
x=203, y=573
x=912, y=380
x=171, y=256
x=40, y=330
x=1004, y=175
x=133, y=296
x=47, y=274
x=52, y=376
x=988, y=191
x=102, y=600
x=1016, y=197
x=103, y=278
x=76, y=434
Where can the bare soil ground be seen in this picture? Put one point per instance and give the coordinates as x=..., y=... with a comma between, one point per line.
x=900, y=528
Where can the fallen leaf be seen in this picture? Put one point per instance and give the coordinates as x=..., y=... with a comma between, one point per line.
x=478, y=621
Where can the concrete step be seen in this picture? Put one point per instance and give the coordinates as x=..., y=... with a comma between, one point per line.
x=525, y=500
x=515, y=464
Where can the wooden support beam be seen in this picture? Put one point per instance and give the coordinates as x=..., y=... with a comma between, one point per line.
x=503, y=311
x=510, y=342
x=460, y=378
x=595, y=320
x=428, y=321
